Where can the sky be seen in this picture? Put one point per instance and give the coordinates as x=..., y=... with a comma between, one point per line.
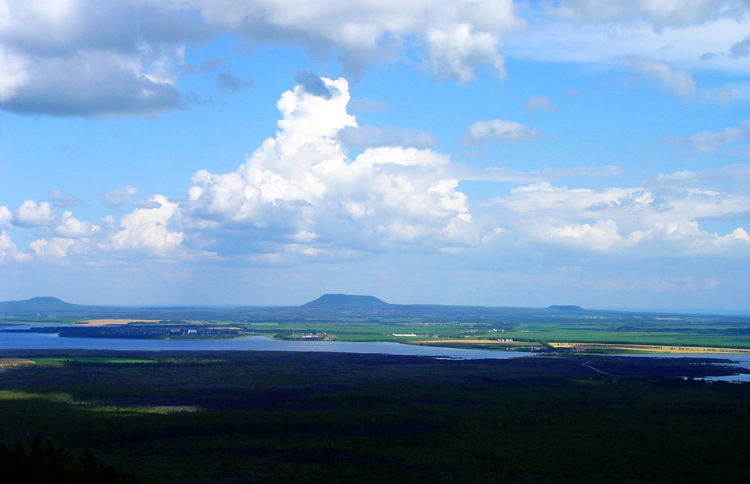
x=477, y=152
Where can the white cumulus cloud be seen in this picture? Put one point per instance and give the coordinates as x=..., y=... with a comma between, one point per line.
x=13, y=74
x=147, y=229
x=8, y=250
x=739, y=235
x=601, y=236
x=632, y=220
x=455, y=51
x=73, y=228
x=55, y=248
x=5, y=217
x=31, y=214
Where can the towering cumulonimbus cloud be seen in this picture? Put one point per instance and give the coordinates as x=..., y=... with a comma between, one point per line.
x=299, y=197
x=300, y=185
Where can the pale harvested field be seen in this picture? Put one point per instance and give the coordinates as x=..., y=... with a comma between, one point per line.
x=475, y=341
x=5, y=362
x=106, y=322
x=652, y=348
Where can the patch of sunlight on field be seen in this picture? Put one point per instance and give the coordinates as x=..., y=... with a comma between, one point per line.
x=6, y=395
x=52, y=397
x=10, y=362
x=89, y=359
x=139, y=410
x=136, y=410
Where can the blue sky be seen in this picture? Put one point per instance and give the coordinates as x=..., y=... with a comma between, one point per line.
x=484, y=152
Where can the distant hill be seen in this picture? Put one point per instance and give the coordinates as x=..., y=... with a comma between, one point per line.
x=345, y=301
x=37, y=304
x=565, y=308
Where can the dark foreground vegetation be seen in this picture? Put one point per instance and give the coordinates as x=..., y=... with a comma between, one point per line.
x=44, y=464
x=233, y=417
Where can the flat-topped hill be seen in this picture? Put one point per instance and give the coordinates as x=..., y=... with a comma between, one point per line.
x=345, y=301
x=568, y=307
x=37, y=304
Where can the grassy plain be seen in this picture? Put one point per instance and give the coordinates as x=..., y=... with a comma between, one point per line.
x=683, y=332
x=229, y=417
x=448, y=325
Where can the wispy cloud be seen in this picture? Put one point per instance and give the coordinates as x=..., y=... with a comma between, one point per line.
x=540, y=103
x=482, y=132
x=707, y=142
x=679, y=82
x=672, y=13
x=229, y=83
x=368, y=105
x=740, y=49
x=61, y=200
x=372, y=136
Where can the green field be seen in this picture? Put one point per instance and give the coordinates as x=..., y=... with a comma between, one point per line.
x=684, y=332
x=57, y=361
x=526, y=327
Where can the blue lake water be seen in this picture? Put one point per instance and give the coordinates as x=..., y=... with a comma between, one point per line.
x=23, y=340
x=19, y=340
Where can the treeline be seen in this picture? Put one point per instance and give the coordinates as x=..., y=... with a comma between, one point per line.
x=137, y=331
x=43, y=463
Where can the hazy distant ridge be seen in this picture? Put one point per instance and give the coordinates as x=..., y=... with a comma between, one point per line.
x=327, y=307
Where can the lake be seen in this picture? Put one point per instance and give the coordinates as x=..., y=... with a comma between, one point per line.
x=19, y=340
x=22, y=340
